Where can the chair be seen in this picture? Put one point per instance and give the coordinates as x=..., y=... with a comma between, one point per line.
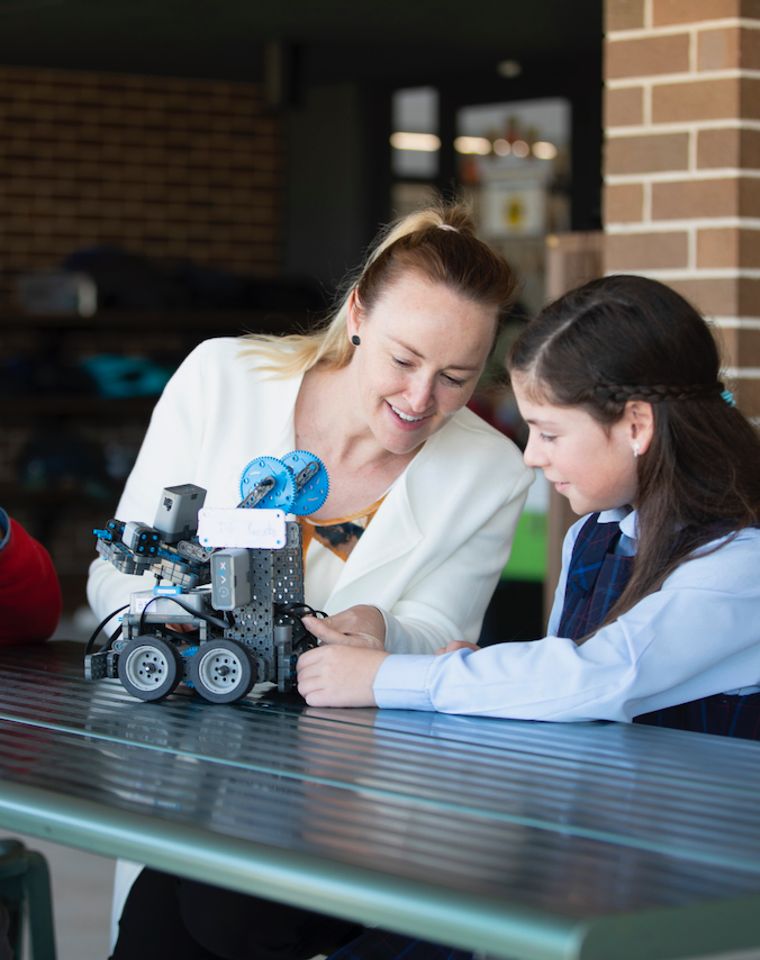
x=25, y=893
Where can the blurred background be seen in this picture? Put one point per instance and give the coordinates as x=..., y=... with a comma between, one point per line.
x=171, y=171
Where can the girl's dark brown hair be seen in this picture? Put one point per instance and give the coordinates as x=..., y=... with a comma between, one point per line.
x=625, y=338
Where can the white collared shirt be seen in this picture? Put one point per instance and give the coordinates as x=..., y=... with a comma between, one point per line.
x=698, y=635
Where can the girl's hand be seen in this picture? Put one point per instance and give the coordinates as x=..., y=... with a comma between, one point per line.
x=456, y=645
x=359, y=626
x=338, y=676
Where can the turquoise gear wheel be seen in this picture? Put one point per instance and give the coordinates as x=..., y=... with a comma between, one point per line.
x=281, y=495
x=311, y=481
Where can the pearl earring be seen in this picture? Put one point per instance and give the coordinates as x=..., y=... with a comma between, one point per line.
x=636, y=447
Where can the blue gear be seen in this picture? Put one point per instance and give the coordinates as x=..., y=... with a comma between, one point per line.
x=282, y=495
x=314, y=492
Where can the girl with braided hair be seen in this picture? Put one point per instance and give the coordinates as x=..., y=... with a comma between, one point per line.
x=656, y=617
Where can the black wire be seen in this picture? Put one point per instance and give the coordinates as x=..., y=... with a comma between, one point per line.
x=96, y=631
x=299, y=609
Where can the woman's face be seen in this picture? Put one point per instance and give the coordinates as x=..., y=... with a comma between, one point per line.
x=594, y=468
x=423, y=348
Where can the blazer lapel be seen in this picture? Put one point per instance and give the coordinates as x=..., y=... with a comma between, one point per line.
x=392, y=534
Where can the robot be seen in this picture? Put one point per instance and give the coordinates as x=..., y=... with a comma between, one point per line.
x=226, y=609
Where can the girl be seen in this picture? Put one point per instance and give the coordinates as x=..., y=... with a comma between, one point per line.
x=657, y=613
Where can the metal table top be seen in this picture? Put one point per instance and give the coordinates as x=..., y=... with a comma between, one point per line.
x=522, y=840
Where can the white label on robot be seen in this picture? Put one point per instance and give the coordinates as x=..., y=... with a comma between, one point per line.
x=236, y=527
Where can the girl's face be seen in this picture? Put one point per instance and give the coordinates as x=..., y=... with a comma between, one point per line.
x=593, y=467
x=423, y=348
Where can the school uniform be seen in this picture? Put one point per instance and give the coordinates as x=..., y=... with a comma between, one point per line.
x=696, y=637
x=598, y=558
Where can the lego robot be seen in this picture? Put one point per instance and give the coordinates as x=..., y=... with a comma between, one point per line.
x=225, y=612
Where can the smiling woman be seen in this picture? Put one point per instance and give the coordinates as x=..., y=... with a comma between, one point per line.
x=410, y=542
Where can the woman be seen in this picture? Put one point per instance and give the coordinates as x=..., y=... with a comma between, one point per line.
x=423, y=499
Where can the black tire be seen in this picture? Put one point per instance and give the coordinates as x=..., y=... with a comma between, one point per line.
x=150, y=668
x=222, y=671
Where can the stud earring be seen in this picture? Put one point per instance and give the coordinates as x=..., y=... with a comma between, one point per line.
x=636, y=447
x=356, y=339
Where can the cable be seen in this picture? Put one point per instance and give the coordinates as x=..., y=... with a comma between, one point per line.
x=100, y=626
x=299, y=609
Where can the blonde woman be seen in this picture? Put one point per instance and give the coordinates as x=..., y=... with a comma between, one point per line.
x=424, y=496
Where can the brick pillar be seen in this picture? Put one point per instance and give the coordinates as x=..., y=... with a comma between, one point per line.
x=682, y=162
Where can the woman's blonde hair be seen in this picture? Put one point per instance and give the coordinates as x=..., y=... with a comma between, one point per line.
x=437, y=242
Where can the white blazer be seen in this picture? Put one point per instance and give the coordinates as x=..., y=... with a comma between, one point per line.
x=431, y=556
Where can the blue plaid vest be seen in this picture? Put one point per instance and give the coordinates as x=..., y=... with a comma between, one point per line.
x=596, y=578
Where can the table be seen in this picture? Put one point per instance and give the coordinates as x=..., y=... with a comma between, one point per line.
x=599, y=841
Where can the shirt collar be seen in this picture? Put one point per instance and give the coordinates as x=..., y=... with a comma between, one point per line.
x=625, y=517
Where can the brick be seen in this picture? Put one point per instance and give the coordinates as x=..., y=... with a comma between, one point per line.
x=728, y=48
x=624, y=107
x=668, y=12
x=749, y=197
x=721, y=148
x=687, y=199
x=647, y=56
x=722, y=296
x=747, y=394
x=739, y=347
x=647, y=154
x=728, y=247
x=717, y=248
x=718, y=49
x=623, y=203
x=713, y=297
x=646, y=251
x=750, y=98
x=623, y=15
x=696, y=100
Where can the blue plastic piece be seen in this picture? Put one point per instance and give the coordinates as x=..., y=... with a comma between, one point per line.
x=281, y=496
x=310, y=497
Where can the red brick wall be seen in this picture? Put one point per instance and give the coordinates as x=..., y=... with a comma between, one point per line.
x=160, y=166
x=682, y=161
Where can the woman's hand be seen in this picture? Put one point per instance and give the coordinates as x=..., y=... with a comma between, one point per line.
x=337, y=675
x=456, y=645
x=359, y=626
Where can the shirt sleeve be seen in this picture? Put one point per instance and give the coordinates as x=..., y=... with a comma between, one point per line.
x=698, y=635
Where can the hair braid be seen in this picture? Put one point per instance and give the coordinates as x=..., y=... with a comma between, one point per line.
x=656, y=392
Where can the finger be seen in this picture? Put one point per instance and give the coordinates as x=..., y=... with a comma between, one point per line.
x=308, y=658
x=327, y=634
x=349, y=639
